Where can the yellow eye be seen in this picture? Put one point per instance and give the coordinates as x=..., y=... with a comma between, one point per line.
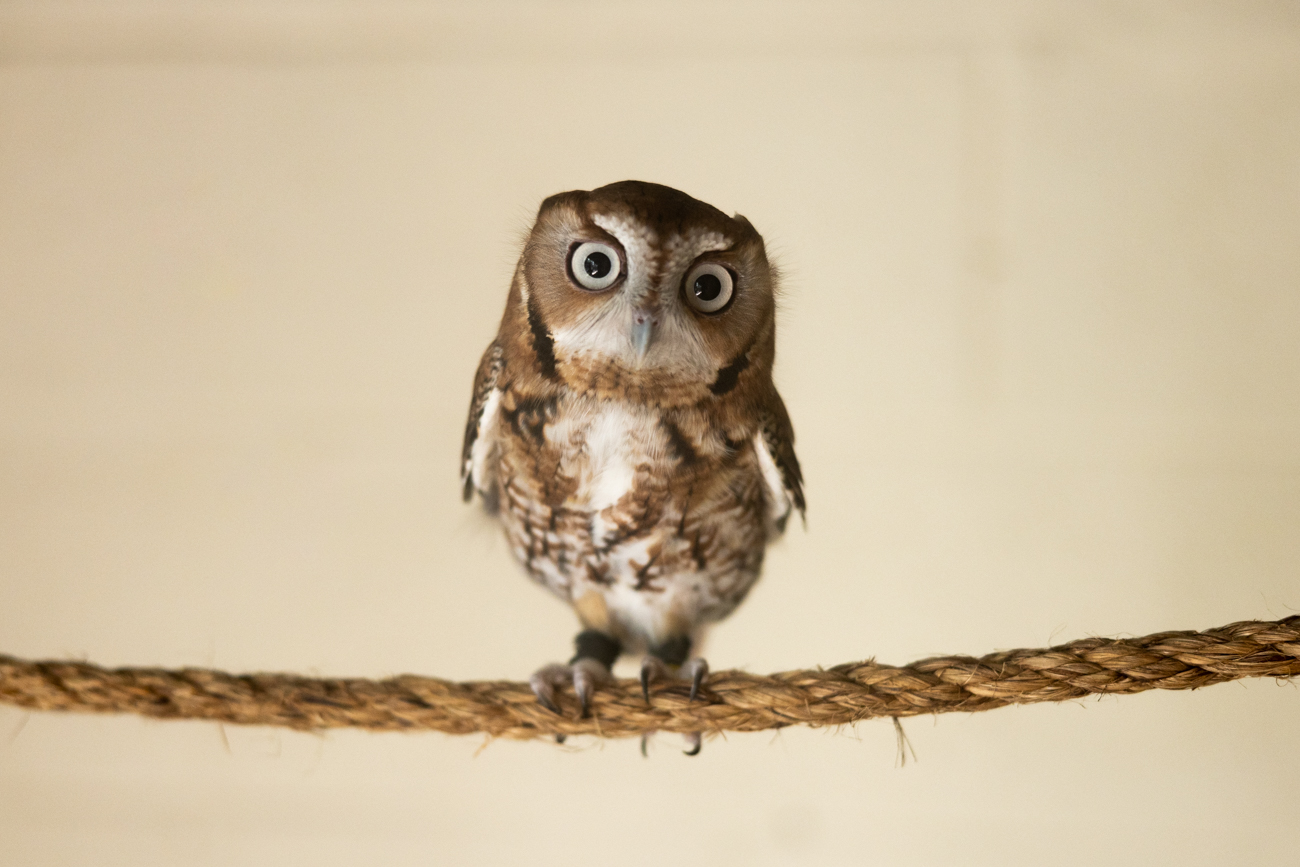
x=709, y=287
x=594, y=266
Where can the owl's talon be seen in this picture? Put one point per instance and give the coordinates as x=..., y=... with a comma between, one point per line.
x=697, y=669
x=696, y=741
x=652, y=669
x=584, y=683
x=543, y=685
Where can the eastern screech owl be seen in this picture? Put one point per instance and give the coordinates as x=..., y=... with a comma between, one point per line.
x=625, y=428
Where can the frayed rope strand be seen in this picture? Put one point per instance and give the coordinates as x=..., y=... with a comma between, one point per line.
x=731, y=700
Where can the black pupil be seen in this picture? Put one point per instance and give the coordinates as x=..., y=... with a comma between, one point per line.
x=597, y=265
x=707, y=287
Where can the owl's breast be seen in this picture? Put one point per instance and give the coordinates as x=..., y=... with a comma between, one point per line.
x=620, y=474
x=652, y=507
x=603, y=444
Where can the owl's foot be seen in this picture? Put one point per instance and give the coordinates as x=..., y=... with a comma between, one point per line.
x=669, y=660
x=586, y=672
x=655, y=669
x=585, y=676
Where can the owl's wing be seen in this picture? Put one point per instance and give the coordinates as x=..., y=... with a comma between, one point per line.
x=476, y=473
x=774, y=443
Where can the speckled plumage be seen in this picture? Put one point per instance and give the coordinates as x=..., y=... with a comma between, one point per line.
x=642, y=481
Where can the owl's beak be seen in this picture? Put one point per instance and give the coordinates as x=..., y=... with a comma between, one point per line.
x=644, y=323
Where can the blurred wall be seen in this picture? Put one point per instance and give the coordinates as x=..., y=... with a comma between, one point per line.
x=1038, y=338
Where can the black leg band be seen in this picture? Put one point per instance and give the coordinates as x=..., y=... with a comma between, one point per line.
x=593, y=644
x=674, y=651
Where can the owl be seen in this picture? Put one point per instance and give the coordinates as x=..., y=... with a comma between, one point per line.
x=625, y=430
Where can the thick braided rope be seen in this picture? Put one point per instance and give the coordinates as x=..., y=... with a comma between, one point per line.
x=731, y=700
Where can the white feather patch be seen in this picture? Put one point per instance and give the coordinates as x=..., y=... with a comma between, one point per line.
x=485, y=441
x=778, y=500
x=610, y=453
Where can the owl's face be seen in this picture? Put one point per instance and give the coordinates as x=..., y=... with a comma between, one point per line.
x=646, y=278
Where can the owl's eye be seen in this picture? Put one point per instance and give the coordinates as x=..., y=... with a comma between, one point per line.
x=595, y=266
x=709, y=287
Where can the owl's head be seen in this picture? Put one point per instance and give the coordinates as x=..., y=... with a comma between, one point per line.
x=642, y=281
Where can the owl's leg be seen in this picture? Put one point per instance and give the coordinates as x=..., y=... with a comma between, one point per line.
x=673, y=656
x=587, y=671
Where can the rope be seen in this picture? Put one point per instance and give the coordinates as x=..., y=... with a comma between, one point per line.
x=730, y=701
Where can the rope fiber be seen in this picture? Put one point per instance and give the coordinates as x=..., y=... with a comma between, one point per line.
x=729, y=701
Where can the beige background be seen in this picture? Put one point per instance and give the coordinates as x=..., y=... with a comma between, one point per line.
x=1039, y=341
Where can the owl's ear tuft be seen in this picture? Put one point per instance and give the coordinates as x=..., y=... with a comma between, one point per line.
x=571, y=198
x=747, y=230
